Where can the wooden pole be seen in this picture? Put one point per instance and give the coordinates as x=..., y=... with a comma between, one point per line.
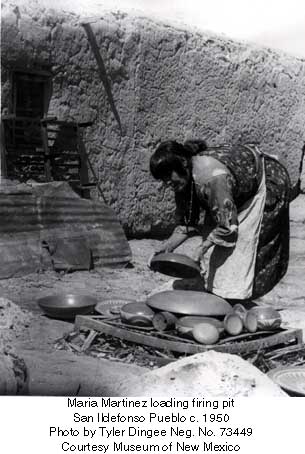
x=3, y=170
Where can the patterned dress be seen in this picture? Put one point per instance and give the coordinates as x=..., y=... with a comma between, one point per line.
x=234, y=178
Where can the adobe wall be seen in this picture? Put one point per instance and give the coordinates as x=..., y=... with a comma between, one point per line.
x=155, y=82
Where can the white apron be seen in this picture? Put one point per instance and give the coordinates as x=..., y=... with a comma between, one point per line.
x=231, y=271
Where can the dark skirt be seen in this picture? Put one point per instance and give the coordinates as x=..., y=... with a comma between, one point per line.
x=273, y=247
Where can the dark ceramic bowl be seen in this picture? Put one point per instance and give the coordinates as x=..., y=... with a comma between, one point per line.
x=175, y=265
x=137, y=313
x=67, y=306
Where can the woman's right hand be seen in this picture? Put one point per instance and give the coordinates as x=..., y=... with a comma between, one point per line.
x=163, y=247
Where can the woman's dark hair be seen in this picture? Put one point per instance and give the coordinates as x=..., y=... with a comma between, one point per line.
x=171, y=155
x=195, y=146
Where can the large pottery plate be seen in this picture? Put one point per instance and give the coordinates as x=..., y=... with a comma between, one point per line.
x=112, y=306
x=188, y=302
x=176, y=265
x=291, y=379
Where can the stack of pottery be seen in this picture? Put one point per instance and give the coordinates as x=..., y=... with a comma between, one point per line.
x=256, y=319
x=197, y=314
x=201, y=316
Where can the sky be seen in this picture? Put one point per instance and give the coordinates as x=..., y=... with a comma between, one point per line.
x=274, y=23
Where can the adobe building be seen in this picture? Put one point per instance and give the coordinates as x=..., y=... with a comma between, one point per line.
x=134, y=82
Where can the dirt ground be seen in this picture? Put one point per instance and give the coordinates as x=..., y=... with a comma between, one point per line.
x=131, y=282
x=39, y=334
x=137, y=281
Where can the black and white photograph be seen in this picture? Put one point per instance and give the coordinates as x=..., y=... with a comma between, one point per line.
x=152, y=186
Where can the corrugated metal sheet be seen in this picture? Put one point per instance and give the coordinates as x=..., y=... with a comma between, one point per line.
x=27, y=219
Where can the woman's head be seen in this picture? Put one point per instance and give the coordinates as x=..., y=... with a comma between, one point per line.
x=171, y=163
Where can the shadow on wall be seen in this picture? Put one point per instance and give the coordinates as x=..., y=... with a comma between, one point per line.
x=102, y=71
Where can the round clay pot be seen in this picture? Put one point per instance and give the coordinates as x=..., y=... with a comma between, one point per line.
x=185, y=325
x=267, y=318
x=163, y=321
x=240, y=310
x=250, y=322
x=205, y=333
x=137, y=314
x=233, y=324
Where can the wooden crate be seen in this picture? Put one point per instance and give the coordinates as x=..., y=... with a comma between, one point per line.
x=245, y=343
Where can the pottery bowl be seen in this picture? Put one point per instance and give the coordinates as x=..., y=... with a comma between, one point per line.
x=137, y=313
x=175, y=265
x=67, y=306
x=267, y=318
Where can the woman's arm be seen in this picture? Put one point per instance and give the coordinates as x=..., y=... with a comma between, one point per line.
x=202, y=249
x=184, y=213
x=223, y=211
x=218, y=195
x=179, y=235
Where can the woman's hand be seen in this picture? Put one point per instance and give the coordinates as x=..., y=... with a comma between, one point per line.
x=201, y=250
x=199, y=255
x=163, y=247
x=178, y=236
